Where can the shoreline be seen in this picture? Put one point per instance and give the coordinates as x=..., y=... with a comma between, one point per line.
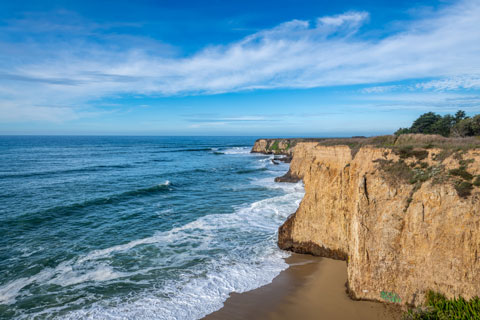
x=310, y=288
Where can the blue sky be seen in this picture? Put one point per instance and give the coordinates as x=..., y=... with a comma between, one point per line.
x=265, y=68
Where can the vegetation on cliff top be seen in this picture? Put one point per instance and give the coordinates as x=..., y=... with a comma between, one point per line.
x=416, y=171
x=458, y=125
x=438, y=308
x=406, y=145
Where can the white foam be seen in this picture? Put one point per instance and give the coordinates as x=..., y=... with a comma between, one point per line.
x=198, y=294
x=192, y=298
x=288, y=187
x=65, y=274
x=166, y=183
x=200, y=290
x=237, y=150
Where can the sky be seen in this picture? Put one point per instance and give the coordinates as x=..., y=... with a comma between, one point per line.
x=256, y=68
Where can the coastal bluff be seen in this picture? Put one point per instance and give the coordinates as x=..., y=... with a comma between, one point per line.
x=404, y=212
x=279, y=146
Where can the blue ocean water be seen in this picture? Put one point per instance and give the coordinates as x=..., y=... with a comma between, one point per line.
x=136, y=227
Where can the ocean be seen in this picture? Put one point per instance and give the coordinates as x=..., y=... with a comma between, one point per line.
x=136, y=227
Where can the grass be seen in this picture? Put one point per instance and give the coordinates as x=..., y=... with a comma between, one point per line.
x=438, y=308
x=408, y=145
x=274, y=146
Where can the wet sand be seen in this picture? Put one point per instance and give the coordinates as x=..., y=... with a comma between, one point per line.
x=311, y=288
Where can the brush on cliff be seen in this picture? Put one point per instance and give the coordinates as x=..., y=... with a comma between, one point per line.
x=439, y=307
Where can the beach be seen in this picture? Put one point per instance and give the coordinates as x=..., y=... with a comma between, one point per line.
x=311, y=288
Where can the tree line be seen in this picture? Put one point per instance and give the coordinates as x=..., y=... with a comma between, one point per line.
x=458, y=125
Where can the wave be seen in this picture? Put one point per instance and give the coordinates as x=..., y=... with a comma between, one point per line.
x=237, y=150
x=203, y=290
x=252, y=170
x=185, y=150
x=30, y=219
x=66, y=171
x=286, y=187
x=65, y=274
x=239, y=251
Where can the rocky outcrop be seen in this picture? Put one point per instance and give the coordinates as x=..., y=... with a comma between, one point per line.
x=274, y=146
x=288, y=177
x=398, y=218
x=280, y=146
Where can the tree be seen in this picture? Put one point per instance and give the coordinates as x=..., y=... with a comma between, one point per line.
x=432, y=123
x=425, y=123
x=467, y=127
x=402, y=131
x=460, y=115
x=443, y=125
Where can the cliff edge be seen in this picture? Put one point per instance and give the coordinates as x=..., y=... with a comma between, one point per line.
x=403, y=212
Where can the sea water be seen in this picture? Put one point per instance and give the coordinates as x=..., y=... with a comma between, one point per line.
x=136, y=227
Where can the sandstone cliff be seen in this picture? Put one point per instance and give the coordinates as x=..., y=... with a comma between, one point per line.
x=279, y=146
x=406, y=219
x=274, y=146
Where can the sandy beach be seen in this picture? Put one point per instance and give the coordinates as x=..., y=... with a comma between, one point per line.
x=311, y=288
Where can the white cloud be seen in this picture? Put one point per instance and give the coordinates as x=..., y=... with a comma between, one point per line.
x=354, y=18
x=454, y=83
x=422, y=100
x=295, y=54
x=380, y=89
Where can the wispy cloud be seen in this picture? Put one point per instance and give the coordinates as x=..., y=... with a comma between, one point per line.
x=454, y=83
x=425, y=101
x=37, y=77
x=380, y=89
x=231, y=119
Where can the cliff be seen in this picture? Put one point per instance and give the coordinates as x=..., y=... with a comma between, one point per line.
x=404, y=213
x=279, y=146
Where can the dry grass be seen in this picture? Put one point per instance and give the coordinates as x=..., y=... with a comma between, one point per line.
x=406, y=145
x=414, y=141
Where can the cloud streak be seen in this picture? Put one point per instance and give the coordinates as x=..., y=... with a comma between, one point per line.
x=330, y=51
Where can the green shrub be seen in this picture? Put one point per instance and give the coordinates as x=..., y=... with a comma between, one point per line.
x=444, y=154
x=464, y=188
x=423, y=165
x=461, y=172
x=399, y=171
x=408, y=152
x=476, y=182
x=274, y=146
x=438, y=308
x=396, y=171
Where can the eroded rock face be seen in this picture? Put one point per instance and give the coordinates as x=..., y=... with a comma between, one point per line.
x=400, y=239
x=274, y=146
